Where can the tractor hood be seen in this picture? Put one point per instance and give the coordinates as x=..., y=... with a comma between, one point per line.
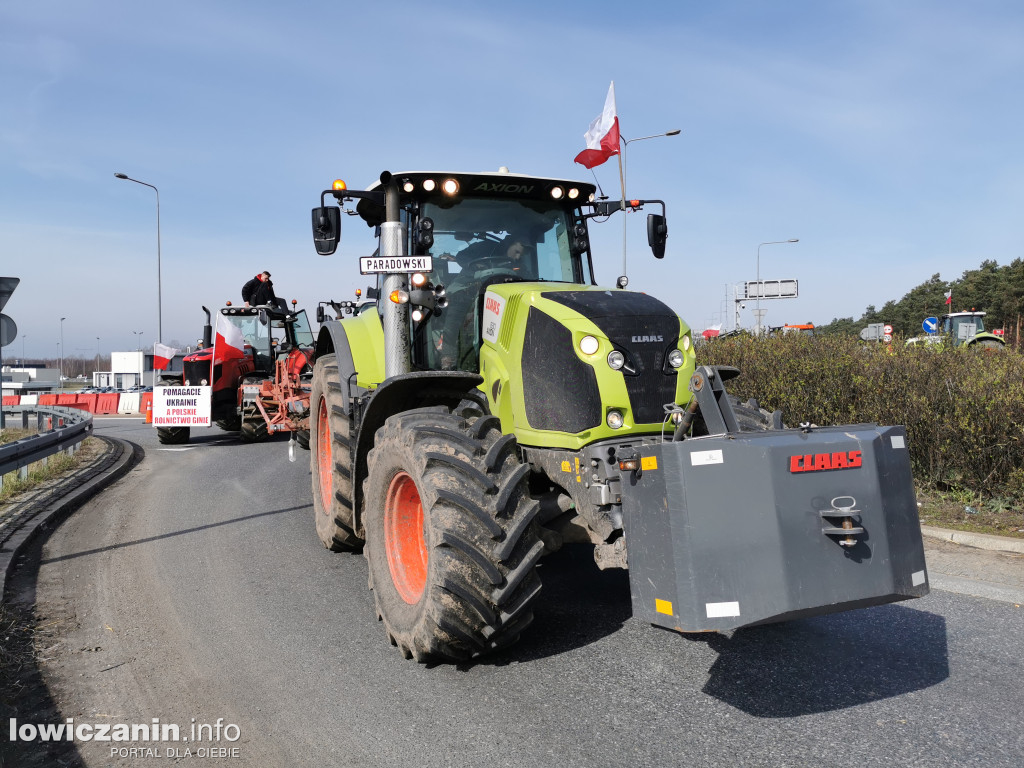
x=561, y=344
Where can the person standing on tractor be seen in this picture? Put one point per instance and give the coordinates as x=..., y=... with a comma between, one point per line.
x=259, y=291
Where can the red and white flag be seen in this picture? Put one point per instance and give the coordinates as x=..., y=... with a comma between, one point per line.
x=949, y=296
x=162, y=356
x=227, y=341
x=603, y=135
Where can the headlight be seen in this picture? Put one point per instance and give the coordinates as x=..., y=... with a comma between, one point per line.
x=589, y=345
x=675, y=358
x=686, y=343
x=615, y=419
x=616, y=360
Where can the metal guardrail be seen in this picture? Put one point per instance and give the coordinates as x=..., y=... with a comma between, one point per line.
x=65, y=428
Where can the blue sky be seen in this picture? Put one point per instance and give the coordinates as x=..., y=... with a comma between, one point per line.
x=886, y=136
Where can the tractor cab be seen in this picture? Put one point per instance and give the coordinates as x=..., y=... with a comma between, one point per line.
x=269, y=332
x=968, y=328
x=475, y=231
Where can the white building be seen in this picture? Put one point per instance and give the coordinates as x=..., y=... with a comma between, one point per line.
x=29, y=381
x=130, y=369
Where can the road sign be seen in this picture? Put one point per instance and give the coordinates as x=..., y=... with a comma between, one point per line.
x=930, y=324
x=8, y=330
x=7, y=286
x=887, y=330
x=371, y=265
x=772, y=289
x=873, y=332
x=887, y=338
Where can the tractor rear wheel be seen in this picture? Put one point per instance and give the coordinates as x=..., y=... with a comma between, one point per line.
x=302, y=438
x=450, y=540
x=330, y=459
x=173, y=435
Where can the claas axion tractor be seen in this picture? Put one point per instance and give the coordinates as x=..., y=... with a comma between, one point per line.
x=499, y=402
x=263, y=391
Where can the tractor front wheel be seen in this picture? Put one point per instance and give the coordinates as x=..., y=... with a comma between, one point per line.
x=173, y=435
x=330, y=458
x=450, y=540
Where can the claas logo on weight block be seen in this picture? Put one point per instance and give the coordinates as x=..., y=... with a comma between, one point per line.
x=817, y=462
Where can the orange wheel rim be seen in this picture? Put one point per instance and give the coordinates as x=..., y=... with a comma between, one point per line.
x=324, y=458
x=403, y=538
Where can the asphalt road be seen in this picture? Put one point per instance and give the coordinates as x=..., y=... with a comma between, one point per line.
x=196, y=588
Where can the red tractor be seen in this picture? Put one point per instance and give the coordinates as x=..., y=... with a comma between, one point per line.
x=264, y=392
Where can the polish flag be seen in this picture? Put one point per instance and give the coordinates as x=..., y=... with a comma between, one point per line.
x=949, y=296
x=162, y=355
x=228, y=342
x=603, y=135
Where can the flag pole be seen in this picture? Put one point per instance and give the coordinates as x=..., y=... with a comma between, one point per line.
x=622, y=205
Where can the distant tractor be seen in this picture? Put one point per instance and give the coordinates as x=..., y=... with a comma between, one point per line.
x=263, y=392
x=969, y=328
x=962, y=328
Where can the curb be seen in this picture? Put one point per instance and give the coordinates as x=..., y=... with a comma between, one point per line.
x=125, y=456
x=977, y=540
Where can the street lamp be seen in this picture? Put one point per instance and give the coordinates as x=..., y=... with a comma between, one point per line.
x=62, y=352
x=159, y=309
x=138, y=339
x=759, y=286
x=23, y=350
x=625, y=146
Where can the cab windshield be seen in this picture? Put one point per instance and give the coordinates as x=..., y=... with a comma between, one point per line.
x=480, y=242
x=527, y=239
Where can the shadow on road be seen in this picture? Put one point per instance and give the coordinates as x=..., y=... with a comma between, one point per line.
x=183, y=532
x=578, y=606
x=828, y=663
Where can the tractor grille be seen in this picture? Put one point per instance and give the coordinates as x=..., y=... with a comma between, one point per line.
x=634, y=323
x=560, y=390
x=194, y=372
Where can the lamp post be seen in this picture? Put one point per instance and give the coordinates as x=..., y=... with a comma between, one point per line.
x=625, y=146
x=138, y=340
x=61, y=374
x=23, y=350
x=159, y=291
x=757, y=312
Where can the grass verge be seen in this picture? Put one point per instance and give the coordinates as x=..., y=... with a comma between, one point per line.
x=59, y=464
x=967, y=511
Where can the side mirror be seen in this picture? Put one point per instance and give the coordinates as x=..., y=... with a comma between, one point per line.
x=320, y=316
x=657, y=234
x=326, y=229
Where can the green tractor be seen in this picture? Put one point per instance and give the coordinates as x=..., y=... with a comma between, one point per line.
x=969, y=328
x=498, y=403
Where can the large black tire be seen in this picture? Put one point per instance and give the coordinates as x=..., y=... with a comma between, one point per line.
x=330, y=459
x=753, y=418
x=750, y=417
x=302, y=438
x=450, y=540
x=230, y=424
x=173, y=435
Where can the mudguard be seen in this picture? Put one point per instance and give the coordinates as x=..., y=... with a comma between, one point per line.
x=745, y=528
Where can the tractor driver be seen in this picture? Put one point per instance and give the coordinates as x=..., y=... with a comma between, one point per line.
x=509, y=258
